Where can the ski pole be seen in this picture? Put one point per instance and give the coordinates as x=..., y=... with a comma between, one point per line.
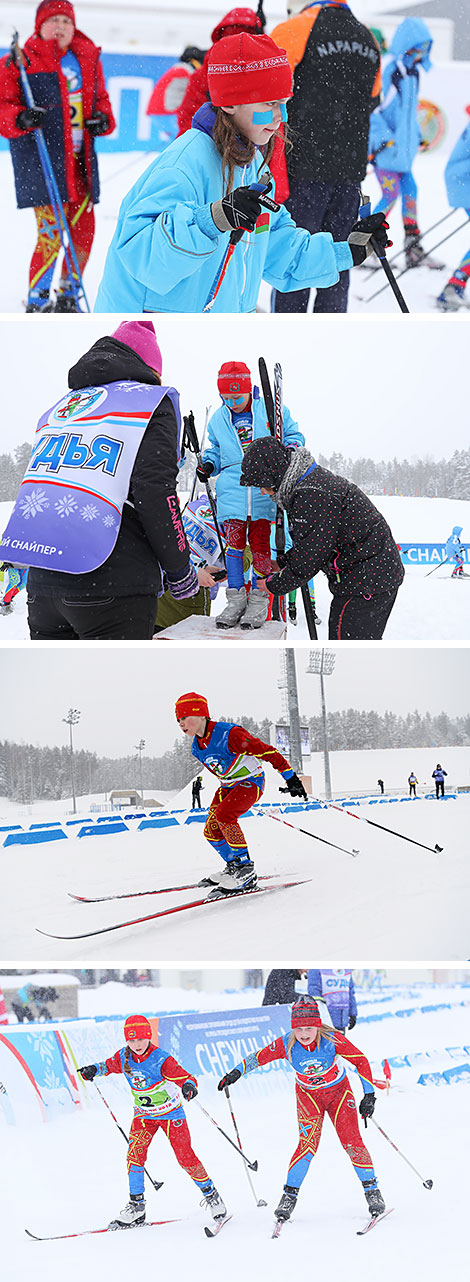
x=157, y=1184
x=364, y=212
x=425, y=255
x=427, y=1183
x=259, y=1201
x=314, y=836
x=435, y=849
x=235, y=237
x=427, y=232
x=309, y=613
x=191, y=438
x=438, y=566
x=51, y=183
x=252, y=1165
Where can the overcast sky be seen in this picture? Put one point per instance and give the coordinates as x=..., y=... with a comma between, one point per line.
x=125, y=694
x=380, y=387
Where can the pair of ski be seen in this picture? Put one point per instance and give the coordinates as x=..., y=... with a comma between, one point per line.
x=60, y=1237
x=176, y=908
x=371, y=1223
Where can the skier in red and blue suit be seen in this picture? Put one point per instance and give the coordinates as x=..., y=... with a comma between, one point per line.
x=154, y=1078
x=315, y=1051
x=235, y=756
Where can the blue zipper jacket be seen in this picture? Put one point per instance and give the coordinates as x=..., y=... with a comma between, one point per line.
x=394, y=130
x=457, y=173
x=225, y=452
x=166, y=250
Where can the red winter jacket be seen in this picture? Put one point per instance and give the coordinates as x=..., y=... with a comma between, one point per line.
x=49, y=89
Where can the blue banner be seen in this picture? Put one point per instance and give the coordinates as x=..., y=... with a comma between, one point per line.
x=428, y=553
x=212, y=1042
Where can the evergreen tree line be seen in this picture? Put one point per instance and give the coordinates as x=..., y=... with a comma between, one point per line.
x=424, y=477
x=29, y=773
x=12, y=470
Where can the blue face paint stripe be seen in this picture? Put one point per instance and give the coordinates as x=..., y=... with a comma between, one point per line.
x=263, y=117
x=283, y=112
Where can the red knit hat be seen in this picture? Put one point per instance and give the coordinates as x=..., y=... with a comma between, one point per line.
x=304, y=1012
x=234, y=376
x=236, y=20
x=191, y=705
x=137, y=1026
x=246, y=68
x=49, y=8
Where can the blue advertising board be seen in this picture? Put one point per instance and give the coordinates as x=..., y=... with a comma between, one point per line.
x=428, y=553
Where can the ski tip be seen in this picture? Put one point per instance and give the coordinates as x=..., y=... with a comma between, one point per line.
x=32, y=1235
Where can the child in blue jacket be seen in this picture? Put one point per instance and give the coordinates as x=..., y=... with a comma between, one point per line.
x=457, y=181
x=174, y=226
x=246, y=513
x=395, y=135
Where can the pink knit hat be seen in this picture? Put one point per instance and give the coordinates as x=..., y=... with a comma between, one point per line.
x=140, y=336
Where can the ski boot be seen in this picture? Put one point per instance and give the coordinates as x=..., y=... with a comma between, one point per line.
x=415, y=255
x=237, y=877
x=287, y=1203
x=256, y=611
x=211, y=880
x=214, y=1203
x=235, y=607
x=65, y=303
x=42, y=303
x=374, y=1197
x=452, y=298
x=292, y=613
x=131, y=1215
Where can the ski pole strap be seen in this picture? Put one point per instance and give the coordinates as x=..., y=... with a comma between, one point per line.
x=307, y=473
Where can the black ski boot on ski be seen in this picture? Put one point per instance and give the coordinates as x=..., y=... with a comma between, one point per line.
x=237, y=877
x=416, y=256
x=65, y=303
x=374, y=1197
x=132, y=1214
x=287, y=1203
x=42, y=303
x=214, y=1203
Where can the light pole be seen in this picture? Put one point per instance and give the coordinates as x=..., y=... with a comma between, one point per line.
x=288, y=683
x=73, y=716
x=321, y=664
x=139, y=747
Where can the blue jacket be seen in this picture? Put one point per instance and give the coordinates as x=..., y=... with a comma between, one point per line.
x=394, y=130
x=166, y=251
x=457, y=173
x=226, y=454
x=439, y=774
x=337, y=989
x=454, y=544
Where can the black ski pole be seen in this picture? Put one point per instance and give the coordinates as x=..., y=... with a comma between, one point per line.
x=252, y=1165
x=306, y=833
x=259, y=1201
x=427, y=232
x=425, y=255
x=364, y=212
x=427, y=1183
x=157, y=1184
x=190, y=435
x=435, y=849
x=309, y=613
x=438, y=567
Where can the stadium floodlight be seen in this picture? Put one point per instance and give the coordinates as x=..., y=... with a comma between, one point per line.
x=321, y=664
x=288, y=684
x=139, y=747
x=72, y=718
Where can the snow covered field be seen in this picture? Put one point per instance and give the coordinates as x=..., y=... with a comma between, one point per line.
x=392, y=901
x=71, y=1173
x=427, y=609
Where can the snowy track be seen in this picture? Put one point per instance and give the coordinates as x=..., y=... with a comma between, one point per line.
x=394, y=900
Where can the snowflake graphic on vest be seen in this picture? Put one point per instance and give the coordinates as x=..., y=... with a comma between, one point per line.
x=66, y=505
x=33, y=503
x=89, y=512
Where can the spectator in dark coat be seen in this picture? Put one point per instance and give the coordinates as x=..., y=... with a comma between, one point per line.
x=334, y=527
x=280, y=987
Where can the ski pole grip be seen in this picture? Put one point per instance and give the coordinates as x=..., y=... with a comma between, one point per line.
x=265, y=200
x=364, y=212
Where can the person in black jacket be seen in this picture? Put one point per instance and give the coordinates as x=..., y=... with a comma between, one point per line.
x=118, y=598
x=280, y=987
x=334, y=527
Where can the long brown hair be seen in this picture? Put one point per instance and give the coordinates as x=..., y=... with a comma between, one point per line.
x=235, y=149
x=323, y=1031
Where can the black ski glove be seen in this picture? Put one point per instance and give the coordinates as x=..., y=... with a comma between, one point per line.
x=189, y=1090
x=352, y=1021
x=295, y=786
x=31, y=118
x=88, y=1072
x=360, y=237
x=97, y=124
x=237, y=212
x=204, y=471
x=229, y=1079
x=367, y=1105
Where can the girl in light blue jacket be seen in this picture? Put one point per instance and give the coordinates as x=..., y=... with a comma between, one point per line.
x=246, y=514
x=395, y=135
x=176, y=225
x=457, y=181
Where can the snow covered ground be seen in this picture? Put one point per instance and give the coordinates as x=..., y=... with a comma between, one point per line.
x=71, y=1174
x=427, y=609
x=394, y=900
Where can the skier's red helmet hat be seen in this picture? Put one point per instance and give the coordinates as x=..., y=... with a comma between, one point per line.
x=136, y=1027
x=49, y=9
x=237, y=20
x=191, y=705
x=305, y=1012
x=234, y=376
